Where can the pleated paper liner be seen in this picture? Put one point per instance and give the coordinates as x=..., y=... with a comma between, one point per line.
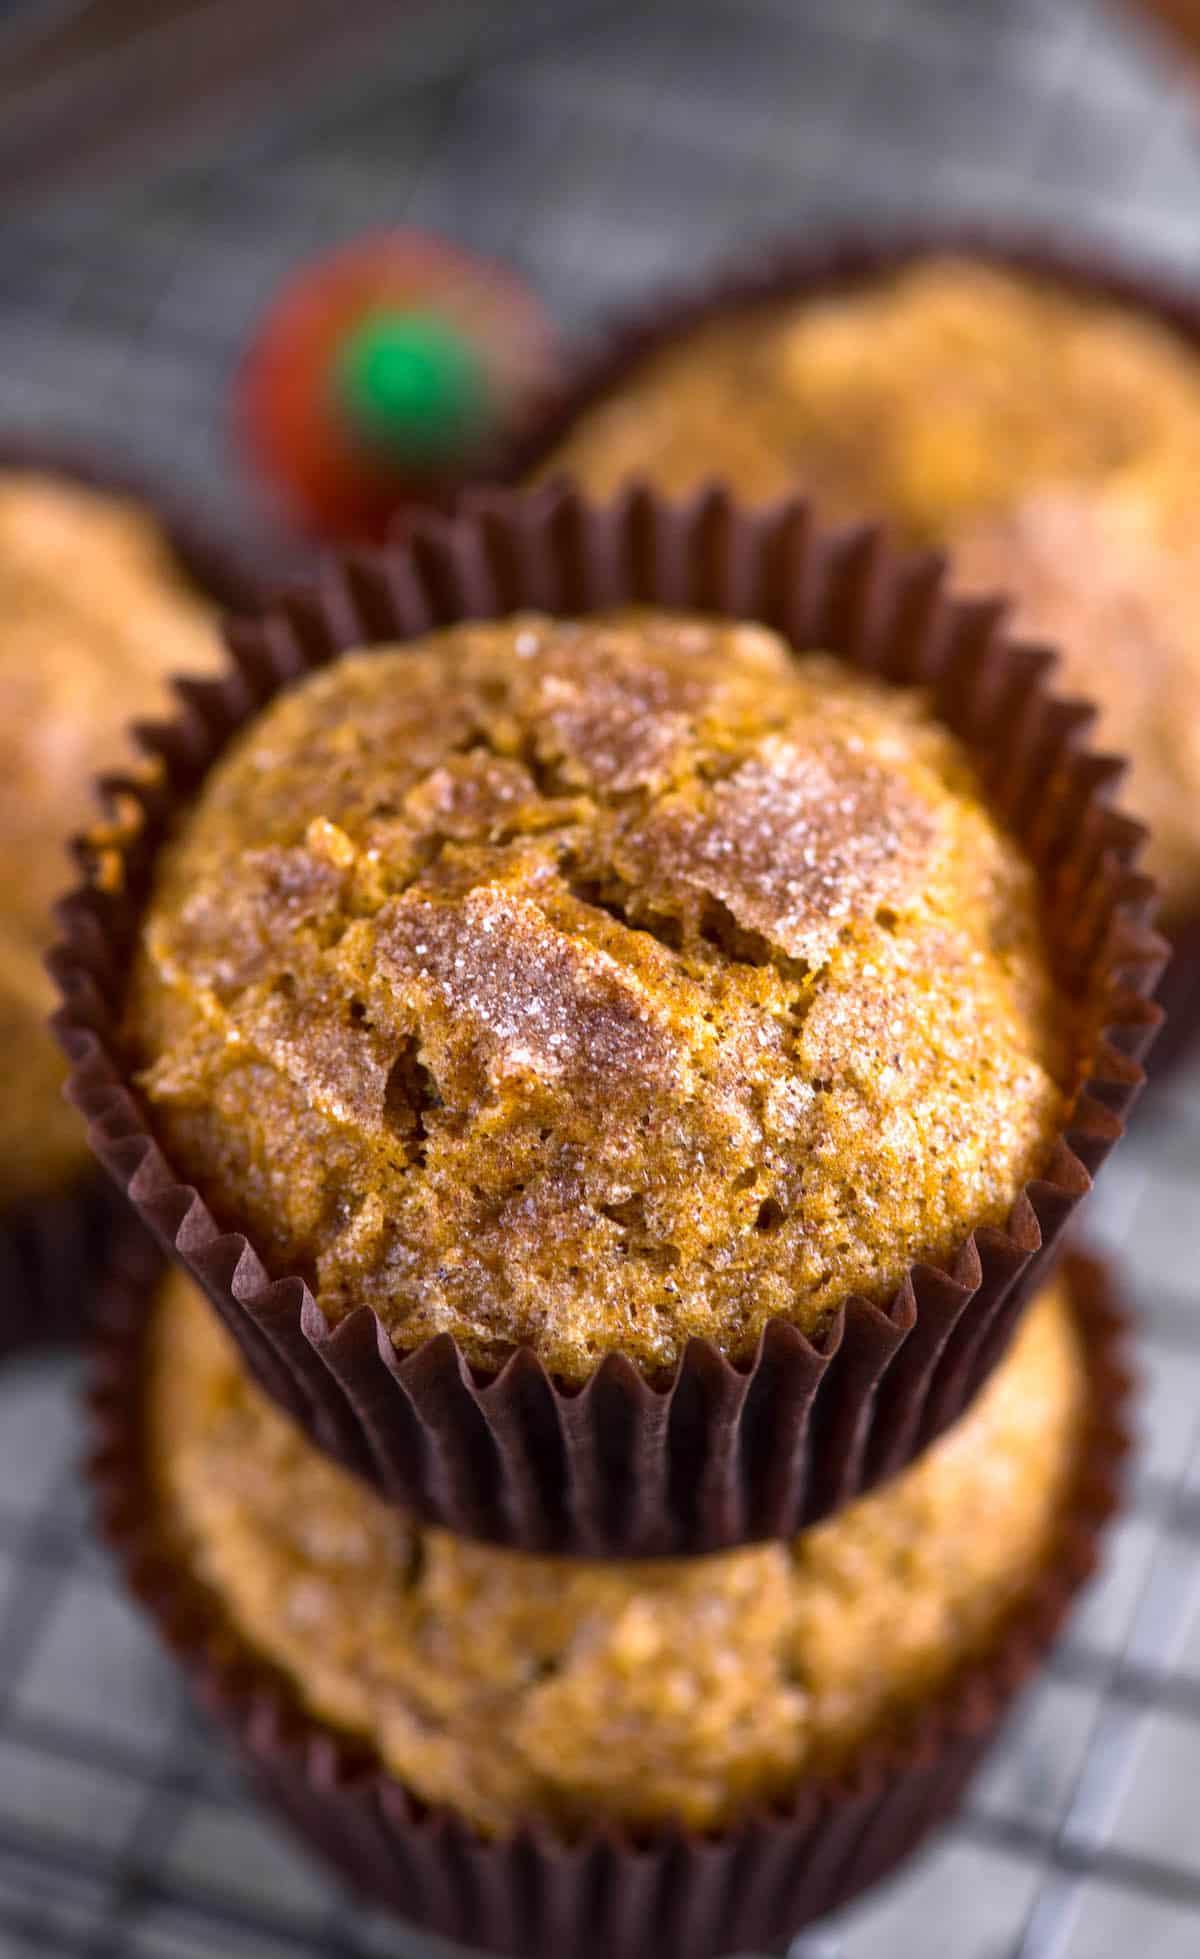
x=716, y=1455
x=814, y=269
x=53, y=1245
x=669, y=1894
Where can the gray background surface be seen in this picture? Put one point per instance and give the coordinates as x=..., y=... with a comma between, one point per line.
x=601, y=149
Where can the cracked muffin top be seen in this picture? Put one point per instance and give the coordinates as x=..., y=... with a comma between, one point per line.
x=508, y=1686
x=595, y=984
x=96, y=616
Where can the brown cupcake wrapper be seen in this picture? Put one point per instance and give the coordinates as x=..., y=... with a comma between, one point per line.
x=721, y=1455
x=54, y=1248
x=669, y=1894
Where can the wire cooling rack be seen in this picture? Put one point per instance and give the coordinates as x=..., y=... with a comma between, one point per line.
x=600, y=149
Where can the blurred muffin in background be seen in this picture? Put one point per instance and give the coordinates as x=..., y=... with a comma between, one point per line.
x=946, y=390
x=97, y=613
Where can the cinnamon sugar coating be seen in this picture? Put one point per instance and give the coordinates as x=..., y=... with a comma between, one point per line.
x=597, y=984
x=509, y=1686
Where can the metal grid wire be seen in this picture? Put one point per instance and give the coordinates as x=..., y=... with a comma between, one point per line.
x=601, y=149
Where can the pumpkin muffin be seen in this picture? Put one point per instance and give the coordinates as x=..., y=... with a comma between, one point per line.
x=944, y=391
x=595, y=984
x=505, y=1686
x=96, y=616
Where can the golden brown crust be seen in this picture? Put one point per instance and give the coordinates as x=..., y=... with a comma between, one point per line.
x=957, y=394
x=596, y=984
x=96, y=617
x=509, y=1686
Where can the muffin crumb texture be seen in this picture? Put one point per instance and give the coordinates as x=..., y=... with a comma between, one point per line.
x=508, y=1686
x=595, y=984
x=97, y=616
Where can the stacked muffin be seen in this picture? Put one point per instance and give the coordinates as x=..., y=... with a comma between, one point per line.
x=510, y=1687
x=98, y=614
x=619, y=1074
x=1040, y=427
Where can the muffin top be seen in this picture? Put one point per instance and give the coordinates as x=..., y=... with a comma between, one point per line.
x=97, y=615
x=506, y=1685
x=595, y=984
x=944, y=391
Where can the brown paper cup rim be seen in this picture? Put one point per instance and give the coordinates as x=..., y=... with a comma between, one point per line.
x=269, y=1725
x=718, y=1454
